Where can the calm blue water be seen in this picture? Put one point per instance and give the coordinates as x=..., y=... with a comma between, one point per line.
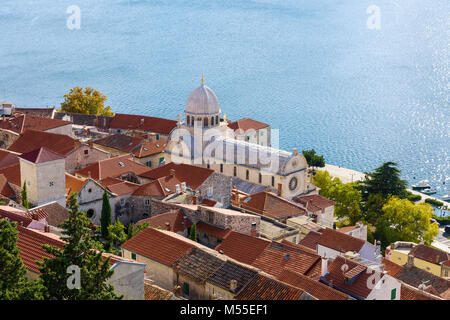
x=309, y=68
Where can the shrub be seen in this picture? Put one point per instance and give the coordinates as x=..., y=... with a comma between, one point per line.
x=434, y=202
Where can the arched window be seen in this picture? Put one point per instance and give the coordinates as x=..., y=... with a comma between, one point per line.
x=217, y=119
x=192, y=121
x=188, y=120
x=212, y=120
x=205, y=121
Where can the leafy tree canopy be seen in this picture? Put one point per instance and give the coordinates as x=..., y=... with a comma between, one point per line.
x=89, y=101
x=313, y=159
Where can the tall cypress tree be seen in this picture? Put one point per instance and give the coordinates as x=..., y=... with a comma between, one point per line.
x=23, y=193
x=193, y=232
x=13, y=281
x=80, y=251
x=105, y=218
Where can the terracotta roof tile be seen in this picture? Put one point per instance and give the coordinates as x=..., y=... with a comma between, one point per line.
x=41, y=155
x=153, y=292
x=339, y=241
x=429, y=254
x=268, y=204
x=212, y=230
x=392, y=268
x=31, y=140
x=194, y=176
x=161, y=187
x=247, y=124
x=264, y=288
x=124, y=187
x=38, y=112
x=176, y=219
x=242, y=247
x=232, y=271
x=310, y=240
x=144, y=123
x=5, y=188
x=410, y=293
x=298, y=246
x=415, y=277
x=113, y=167
x=19, y=123
x=120, y=142
x=158, y=246
x=8, y=158
x=12, y=174
x=13, y=214
x=314, y=202
x=74, y=184
x=318, y=290
x=53, y=212
x=149, y=148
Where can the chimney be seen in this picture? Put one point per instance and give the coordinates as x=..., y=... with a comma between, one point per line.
x=324, y=270
x=172, y=172
x=280, y=187
x=233, y=285
x=89, y=174
x=168, y=226
x=46, y=228
x=438, y=259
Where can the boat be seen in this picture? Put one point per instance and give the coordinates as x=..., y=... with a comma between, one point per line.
x=429, y=191
x=446, y=197
x=421, y=185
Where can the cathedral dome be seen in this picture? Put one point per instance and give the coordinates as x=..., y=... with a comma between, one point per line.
x=202, y=101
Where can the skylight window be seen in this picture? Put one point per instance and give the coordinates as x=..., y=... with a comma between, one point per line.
x=121, y=164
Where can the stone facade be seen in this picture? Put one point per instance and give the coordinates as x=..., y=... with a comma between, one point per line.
x=83, y=156
x=217, y=187
x=7, y=138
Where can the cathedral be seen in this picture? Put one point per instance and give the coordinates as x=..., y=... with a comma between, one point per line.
x=204, y=139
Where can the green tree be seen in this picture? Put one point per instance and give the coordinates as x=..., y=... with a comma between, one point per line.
x=313, y=159
x=14, y=285
x=79, y=250
x=106, y=216
x=135, y=229
x=193, y=233
x=373, y=208
x=117, y=233
x=24, y=195
x=403, y=220
x=385, y=180
x=346, y=196
x=89, y=101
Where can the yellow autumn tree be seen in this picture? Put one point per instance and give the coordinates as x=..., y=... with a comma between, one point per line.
x=87, y=101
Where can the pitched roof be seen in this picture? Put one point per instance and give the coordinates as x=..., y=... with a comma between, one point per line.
x=232, y=271
x=264, y=288
x=392, y=268
x=74, y=184
x=339, y=241
x=198, y=264
x=8, y=158
x=242, y=247
x=318, y=290
x=268, y=204
x=30, y=244
x=358, y=288
x=113, y=167
x=145, y=123
x=21, y=122
x=247, y=124
x=12, y=173
x=41, y=155
x=158, y=246
x=5, y=188
x=13, y=214
x=310, y=240
x=212, y=230
x=298, y=246
x=149, y=148
x=277, y=257
x=175, y=218
x=120, y=142
x=314, y=202
x=194, y=176
x=53, y=212
x=415, y=277
x=408, y=292
x=161, y=187
x=31, y=140
x=123, y=187
x=38, y=112
x=429, y=254
x=153, y=292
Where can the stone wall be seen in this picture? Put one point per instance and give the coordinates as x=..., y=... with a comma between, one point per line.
x=84, y=156
x=220, y=185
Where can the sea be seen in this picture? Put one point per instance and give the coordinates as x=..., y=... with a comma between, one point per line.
x=360, y=81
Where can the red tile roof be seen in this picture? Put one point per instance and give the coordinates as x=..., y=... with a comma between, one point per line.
x=53, y=213
x=5, y=188
x=41, y=155
x=275, y=258
x=124, y=187
x=113, y=167
x=120, y=142
x=150, y=148
x=194, y=176
x=247, y=124
x=158, y=246
x=340, y=241
x=392, y=268
x=12, y=174
x=314, y=203
x=298, y=246
x=20, y=216
x=144, y=123
x=310, y=240
x=318, y=290
x=8, y=158
x=410, y=293
x=31, y=140
x=211, y=230
x=74, y=184
x=161, y=187
x=30, y=244
x=242, y=247
x=175, y=218
x=20, y=123
x=268, y=204
x=429, y=254
x=359, y=287
x=264, y=288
